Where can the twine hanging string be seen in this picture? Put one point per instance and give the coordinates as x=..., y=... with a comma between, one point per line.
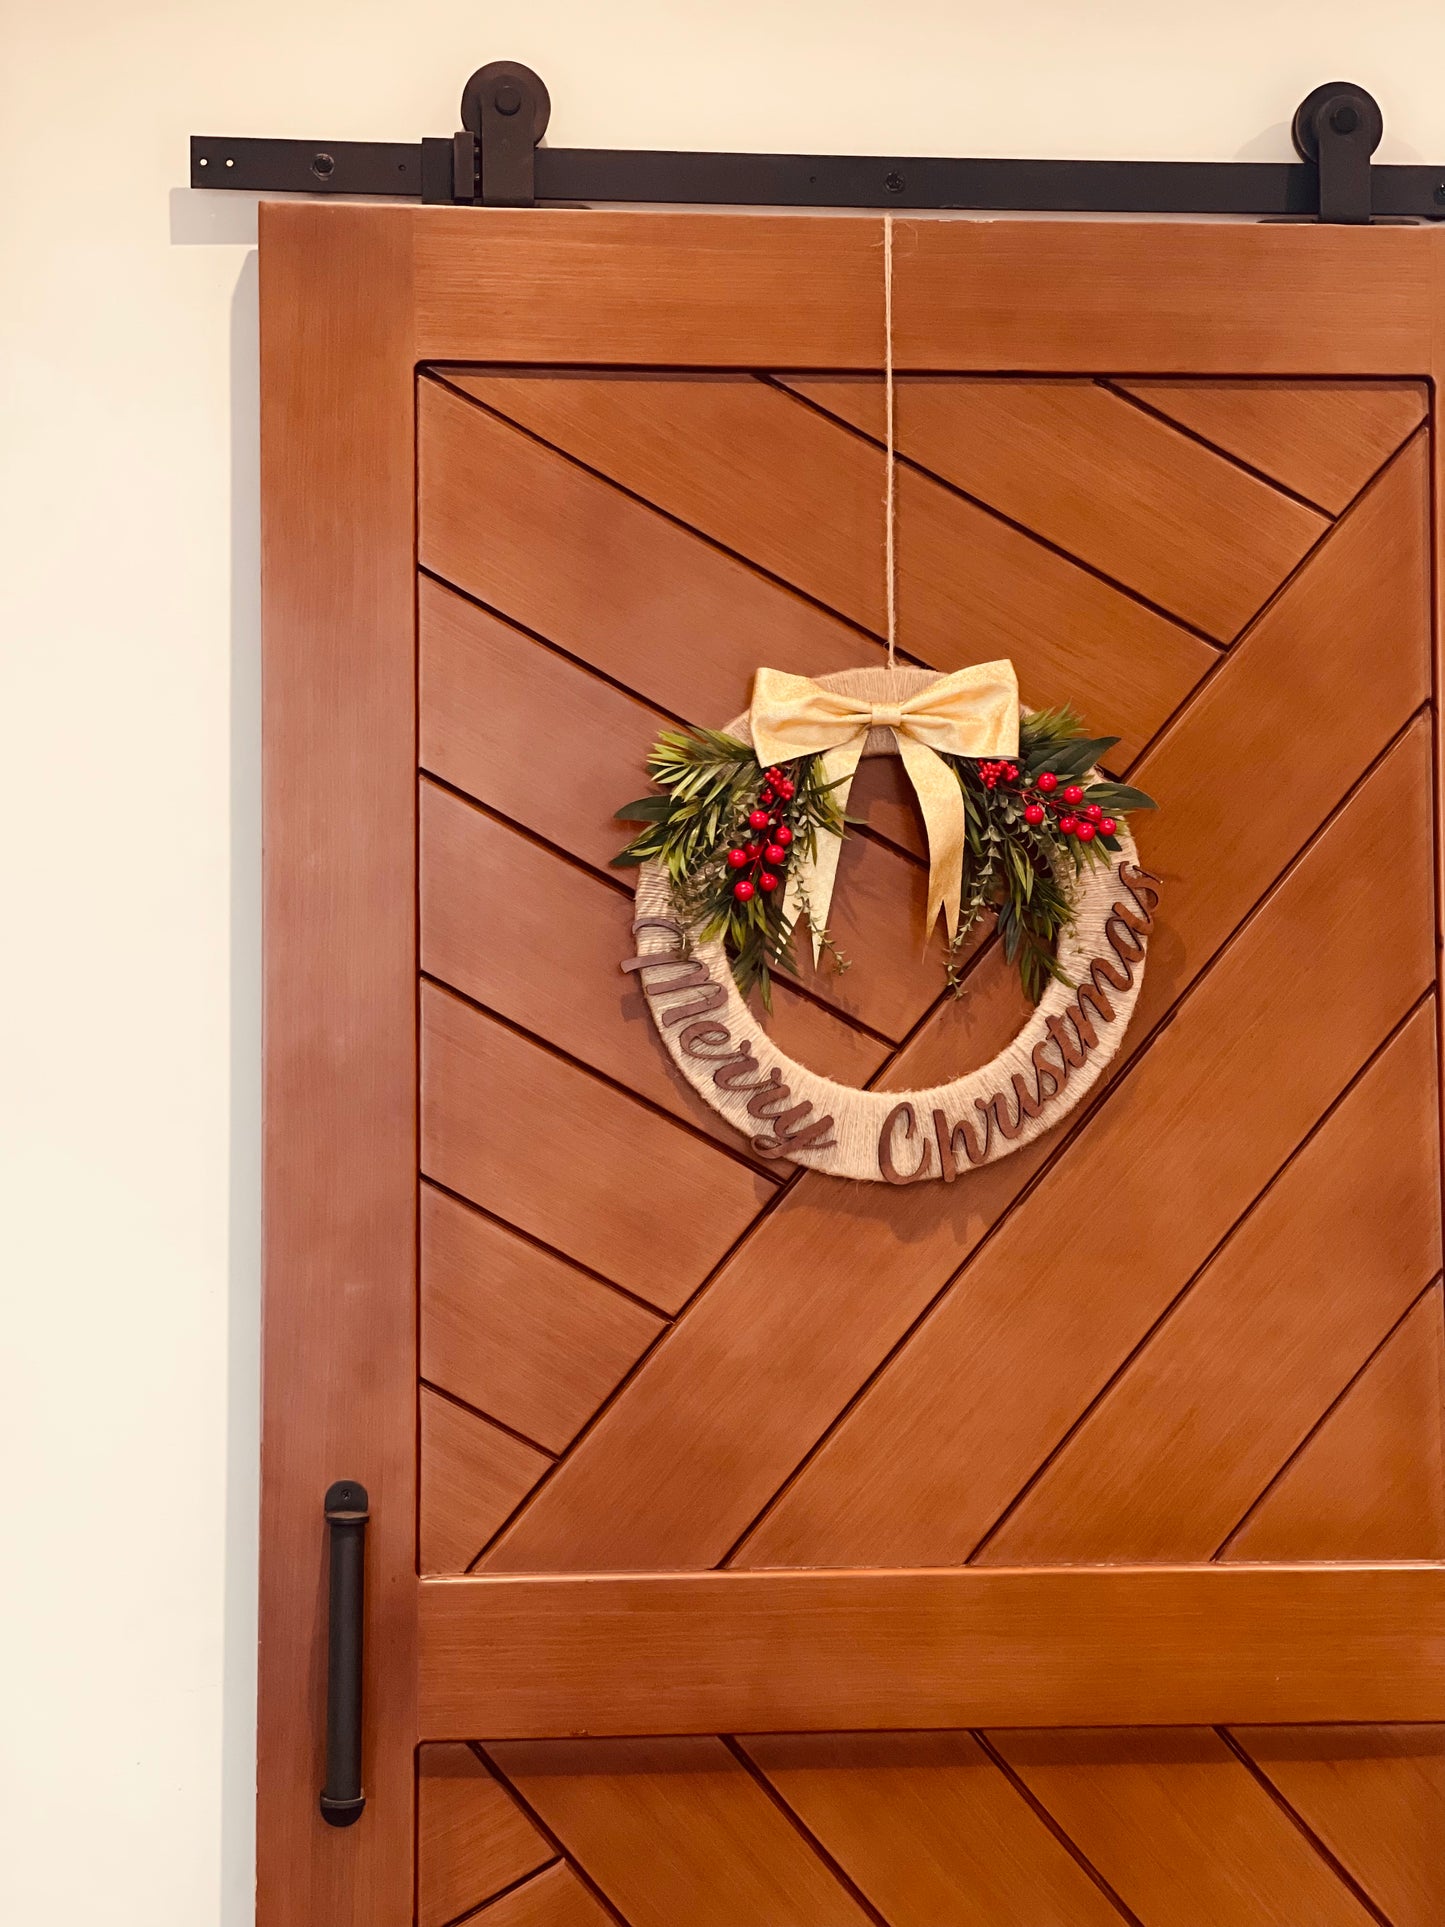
x=890, y=560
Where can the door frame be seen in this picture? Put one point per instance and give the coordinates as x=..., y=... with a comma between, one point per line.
x=353, y=299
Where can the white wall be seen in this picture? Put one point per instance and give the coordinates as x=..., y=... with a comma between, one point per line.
x=128, y=948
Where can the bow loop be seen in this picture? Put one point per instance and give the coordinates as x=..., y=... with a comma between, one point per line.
x=973, y=712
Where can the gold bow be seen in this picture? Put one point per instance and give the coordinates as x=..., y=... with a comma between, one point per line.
x=973, y=712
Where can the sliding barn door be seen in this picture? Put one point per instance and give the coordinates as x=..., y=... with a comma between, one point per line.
x=751, y=1548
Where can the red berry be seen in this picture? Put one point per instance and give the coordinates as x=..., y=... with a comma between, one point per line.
x=767, y=881
x=1048, y=781
x=757, y=819
x=1093, y=812
x=1086, y=832
x=737, y=858
x=742, y=891
x=765, y=797
x=1108, y=826
x=786, y=791
x=1073, y=794
x=1012, y=772
x=1068, y=824
x=775, y=854
x=785, y=835
x=1034, y=814
x=753, y=851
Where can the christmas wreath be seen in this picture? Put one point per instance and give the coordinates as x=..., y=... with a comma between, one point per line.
x=731, y=834
x=740, y=842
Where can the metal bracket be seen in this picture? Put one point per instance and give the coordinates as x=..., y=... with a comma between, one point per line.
x=1338, y=127
x=496, y=160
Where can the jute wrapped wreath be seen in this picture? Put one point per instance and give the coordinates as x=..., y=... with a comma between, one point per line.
x=743, y=839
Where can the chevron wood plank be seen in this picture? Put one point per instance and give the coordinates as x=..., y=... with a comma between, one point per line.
x=1370, y=1483
x=1180, y=1829
x=492, y=905
x=553, y=1898
x=1323, y=439
x=930, y=1830
x=1113, y=486
x=971, y=587
x=517, y=1332
x=539, y=1656
x=1308, y=1285
x=684, y=626
x=1375, y=1795
x=658, y=609
x=472, y=1475
x=497, y=706
x=862, y=1267
x=542, y=1145
x=917, y=1473
x=728, y=454
x=674, y=1830
x=472, y=1837
x=678, y=1468
x=493, y=698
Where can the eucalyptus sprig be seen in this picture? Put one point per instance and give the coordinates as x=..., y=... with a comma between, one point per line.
x=728, y=832
x=712, y=785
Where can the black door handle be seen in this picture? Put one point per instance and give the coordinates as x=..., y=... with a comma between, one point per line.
x=347, y=1510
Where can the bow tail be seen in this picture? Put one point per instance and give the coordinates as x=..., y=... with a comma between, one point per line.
x=812, y=880
x=946, y=821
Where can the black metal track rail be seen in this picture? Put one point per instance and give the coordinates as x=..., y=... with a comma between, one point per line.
x=496, y=160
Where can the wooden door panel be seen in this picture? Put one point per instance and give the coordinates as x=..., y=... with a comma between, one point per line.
x=1374, y=1797
x=1368, y=1481
x=1060, y=1547
x=1322, y=439
x=513, y=1330
x=700, y=1402
x=1104, y=481
x=474, y=1838
x=1166, y=1170
x=539, y=1143
x=1002, y=1829
x=1195, y=1427
x=1181, y=1829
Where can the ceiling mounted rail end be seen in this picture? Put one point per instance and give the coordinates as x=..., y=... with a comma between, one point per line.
x=496, y=159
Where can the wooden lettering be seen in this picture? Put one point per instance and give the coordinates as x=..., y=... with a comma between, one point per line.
x=902, y=1114
x=732, y=1070
x=696, y=1036
x=771, y=1097
x=787, y=1136
x=1058, y=1075
x=1069, y=1048
x=1131, y=876
x=962, y=1133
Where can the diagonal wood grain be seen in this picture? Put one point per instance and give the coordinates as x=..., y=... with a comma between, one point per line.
x=1323, y=439
x=678, y=1467
x=516, y=1331
x=472, y=1837
x=665, y=613
x=728, y=454
x=1180, y=1829
x=1370, y=1482
x=489, y=692
x=1279, y=1320
x=553, y=1898
x=684, y=625
x=1375, y=1795
x=675, y=1830
x=927, y=1826
x=472, y=1475
x=1107, y=482
x=541, y=942
x=542, y=1145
